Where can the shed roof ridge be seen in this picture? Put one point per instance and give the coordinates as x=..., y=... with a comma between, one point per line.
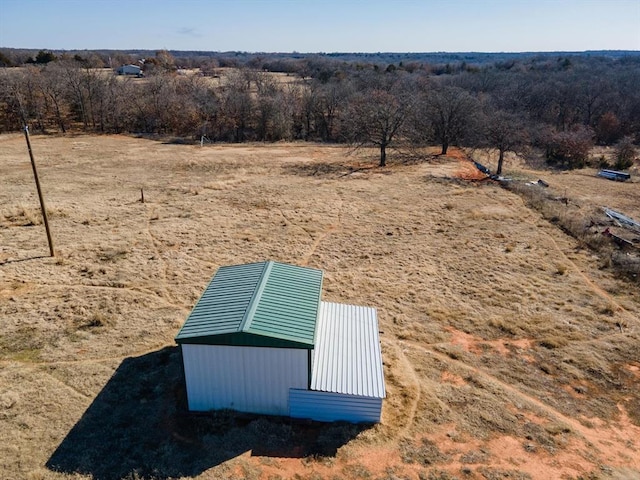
x=247, y=319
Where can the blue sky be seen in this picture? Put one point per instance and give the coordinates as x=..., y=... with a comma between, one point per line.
x=323, y=25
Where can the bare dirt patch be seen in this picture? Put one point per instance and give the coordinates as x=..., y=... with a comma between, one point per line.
x=504, y=356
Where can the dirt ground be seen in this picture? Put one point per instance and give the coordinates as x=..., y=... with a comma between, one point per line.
x=510, y=351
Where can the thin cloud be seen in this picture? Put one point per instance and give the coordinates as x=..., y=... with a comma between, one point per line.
x=189, y=32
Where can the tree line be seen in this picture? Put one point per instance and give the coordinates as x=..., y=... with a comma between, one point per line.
x=559, y=105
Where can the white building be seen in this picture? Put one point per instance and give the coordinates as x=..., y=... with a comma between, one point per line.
x=129, y=70
x=260, y=340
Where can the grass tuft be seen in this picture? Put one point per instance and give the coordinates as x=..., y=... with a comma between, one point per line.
x=97, y=320
x=553, y=342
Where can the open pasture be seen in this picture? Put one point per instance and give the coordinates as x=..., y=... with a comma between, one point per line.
x=510, y=350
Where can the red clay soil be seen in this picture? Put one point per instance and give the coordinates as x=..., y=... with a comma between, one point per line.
x=609, y=443
x=466, y=170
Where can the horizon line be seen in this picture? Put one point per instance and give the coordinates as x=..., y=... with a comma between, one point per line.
x=295, y=52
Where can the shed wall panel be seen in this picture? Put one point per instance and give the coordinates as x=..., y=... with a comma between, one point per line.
x=347, y=355
x=331, y=407
x=245, y=379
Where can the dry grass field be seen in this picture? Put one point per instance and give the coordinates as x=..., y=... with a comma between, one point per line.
x=510, y=350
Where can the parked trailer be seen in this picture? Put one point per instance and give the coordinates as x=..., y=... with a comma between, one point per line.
x=614, y=175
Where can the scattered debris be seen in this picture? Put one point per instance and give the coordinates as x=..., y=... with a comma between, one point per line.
x=482, y=168
x=621, y=242
x=614, y=175
x=539, y=183
x=622, y=220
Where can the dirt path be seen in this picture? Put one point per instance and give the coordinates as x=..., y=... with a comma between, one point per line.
x=630, y=318
x=164, y=284
x=408, y=370
x=608, y=441
x=592, y=285
x=466, y=170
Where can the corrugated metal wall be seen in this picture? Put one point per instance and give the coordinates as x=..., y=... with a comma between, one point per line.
x=331, y=407
x=347, y=356
x=245, y=379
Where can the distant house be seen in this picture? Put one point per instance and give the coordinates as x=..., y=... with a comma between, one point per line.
x=129, y=70
x=260, y=340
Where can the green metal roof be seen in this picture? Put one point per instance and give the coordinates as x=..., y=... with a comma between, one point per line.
x=266, y=304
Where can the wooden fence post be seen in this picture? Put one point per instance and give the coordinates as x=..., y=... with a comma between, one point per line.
x=35, y=174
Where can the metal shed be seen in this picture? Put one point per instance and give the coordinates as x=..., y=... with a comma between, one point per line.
x=347, y=380
x=129, y=70
x=260, y=340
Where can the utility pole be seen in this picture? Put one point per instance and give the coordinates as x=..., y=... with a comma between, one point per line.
x=35, y=174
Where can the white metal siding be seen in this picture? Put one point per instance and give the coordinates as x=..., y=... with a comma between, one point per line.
x=331, y=407
x=246, y=379
x=347, y=355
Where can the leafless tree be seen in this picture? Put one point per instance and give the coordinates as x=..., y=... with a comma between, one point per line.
x=12, y=102
x=330, y=99
x=608, y=128
x=376, y=117
x=28, y=97
x=53, y=87
x=268, y=101
x=76, y=93
x=236, y=108
x=569, y=149
x=447, y=115
x=625, y=153
x=208, y=107
x=116, y=111
x=504, y=131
